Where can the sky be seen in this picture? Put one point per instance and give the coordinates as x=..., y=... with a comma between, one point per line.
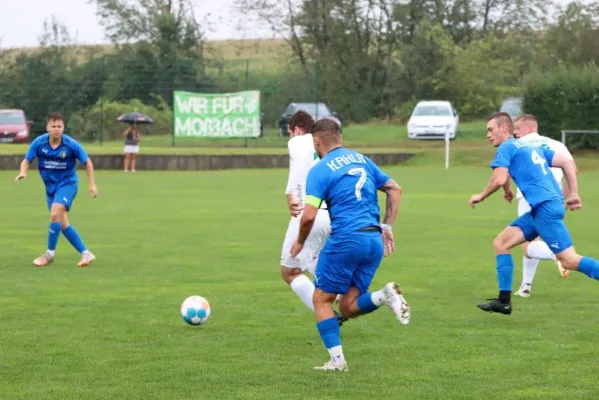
x=21, y=23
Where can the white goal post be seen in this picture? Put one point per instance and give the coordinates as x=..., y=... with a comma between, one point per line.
x=565, y=132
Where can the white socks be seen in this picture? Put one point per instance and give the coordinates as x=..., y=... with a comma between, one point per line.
x=337, y=356
x=304, y=288
x=540, y=251
x=529, y=268
x=51, y=252
x=378, y=298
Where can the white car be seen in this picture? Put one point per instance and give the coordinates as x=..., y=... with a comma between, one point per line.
x=433, y=120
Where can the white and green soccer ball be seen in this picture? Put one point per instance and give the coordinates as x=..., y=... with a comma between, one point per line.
x=195, y=310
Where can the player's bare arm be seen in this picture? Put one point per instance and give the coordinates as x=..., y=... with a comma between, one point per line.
x=393, y=192
x=508, y=195
x=23, y=170
x=306, y=224
x=573, y=201
x=498, y=179
x=294, y=205
x=89, y=167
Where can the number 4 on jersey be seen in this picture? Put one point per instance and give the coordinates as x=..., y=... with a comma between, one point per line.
x=537, y=159
x=361, y=180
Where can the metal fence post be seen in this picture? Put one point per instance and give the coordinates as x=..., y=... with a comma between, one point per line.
x=102, y=103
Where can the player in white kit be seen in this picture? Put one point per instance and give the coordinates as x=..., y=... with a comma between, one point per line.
x=525, y=129
x=302, y=156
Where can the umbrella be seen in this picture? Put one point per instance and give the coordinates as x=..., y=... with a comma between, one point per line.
x=135, y=118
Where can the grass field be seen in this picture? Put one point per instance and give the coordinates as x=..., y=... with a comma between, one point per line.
x=113, y=330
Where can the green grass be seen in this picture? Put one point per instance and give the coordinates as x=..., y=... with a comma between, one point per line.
x=113, y=330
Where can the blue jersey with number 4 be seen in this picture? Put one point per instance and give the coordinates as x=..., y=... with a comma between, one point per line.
x=58, y=167
x=529, y=167
x=348, y=182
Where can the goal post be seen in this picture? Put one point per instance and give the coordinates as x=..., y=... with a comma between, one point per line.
x=577, y=131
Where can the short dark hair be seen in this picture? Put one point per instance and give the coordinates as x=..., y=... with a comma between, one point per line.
x=503, y=118
x=55, y=116
x=301, y=119
x=327, y=130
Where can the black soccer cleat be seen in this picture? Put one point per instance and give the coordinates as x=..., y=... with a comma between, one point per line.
x=496, y=306
x=340, y=318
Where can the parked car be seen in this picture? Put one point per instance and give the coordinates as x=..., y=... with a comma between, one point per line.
x=316, y=110
x=14, y=127
x=432, y=120
x=512, y=106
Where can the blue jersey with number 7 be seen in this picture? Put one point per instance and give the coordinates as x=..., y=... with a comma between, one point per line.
x=348, y=182
x=529, y=167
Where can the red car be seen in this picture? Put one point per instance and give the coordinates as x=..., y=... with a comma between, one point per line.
x=14, y=127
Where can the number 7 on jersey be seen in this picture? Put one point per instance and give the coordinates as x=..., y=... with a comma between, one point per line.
x=361, y=180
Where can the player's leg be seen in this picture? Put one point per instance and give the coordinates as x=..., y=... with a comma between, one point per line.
x=53, y=232
x=336, y=265
x=66, y=196
x=292, y=269
x=541, y=251
x=529, y=265
x=358, y=301
x=553, y=230
x=519, y=231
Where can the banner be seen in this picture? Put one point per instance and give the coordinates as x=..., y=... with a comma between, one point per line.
x=217, y=115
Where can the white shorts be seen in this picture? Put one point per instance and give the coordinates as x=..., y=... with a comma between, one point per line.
x=523, y=206
x=306, y=260
x=131, y=148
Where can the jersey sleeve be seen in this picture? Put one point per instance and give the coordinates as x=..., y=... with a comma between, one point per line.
x=316, y=187
x=79, y=151
x=293, y=179
x=563, y=150
x=32, y=151
x=548, y=153
x=379, y=177
x=503, y=157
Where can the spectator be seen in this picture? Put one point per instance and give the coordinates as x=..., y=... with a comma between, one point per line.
x=132, y=139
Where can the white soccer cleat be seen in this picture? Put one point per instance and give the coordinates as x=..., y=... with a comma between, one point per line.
x=396, y=302
x=330, y=366
x=523, y=292
x=564, y=272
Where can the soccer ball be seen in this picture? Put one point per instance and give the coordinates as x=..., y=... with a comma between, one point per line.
x=195, y=310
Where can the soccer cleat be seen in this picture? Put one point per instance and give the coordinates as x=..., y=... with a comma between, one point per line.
x=330, y=366
x=340, y=318
x=564, y=272
x=396, y=302
x=522, y=292
x=86, y=259
x=496, y=306
x=43, y=260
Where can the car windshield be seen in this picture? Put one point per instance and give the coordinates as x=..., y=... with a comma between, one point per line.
x=310, y=108
x=422, y=111
x=11, y=119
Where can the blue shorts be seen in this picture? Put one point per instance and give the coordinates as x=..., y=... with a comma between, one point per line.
x=64, y=195
x=547, y=221
x=349, y=260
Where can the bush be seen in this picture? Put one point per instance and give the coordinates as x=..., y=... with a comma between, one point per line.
x=99, y=121
x=566, y=98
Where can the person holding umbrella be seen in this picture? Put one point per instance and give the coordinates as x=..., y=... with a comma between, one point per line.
x=132, y=137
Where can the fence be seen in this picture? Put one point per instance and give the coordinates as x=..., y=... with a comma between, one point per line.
x=94, y=91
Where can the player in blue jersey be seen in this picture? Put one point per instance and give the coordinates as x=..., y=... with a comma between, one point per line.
x=348, y=182
x=57, y=156
x=529, y=167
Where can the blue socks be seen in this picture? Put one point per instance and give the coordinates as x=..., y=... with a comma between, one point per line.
x=329, y=332
x=365, y=303
x=53, y=235
x=590, y=267
x=74, y=239
x=505, y=272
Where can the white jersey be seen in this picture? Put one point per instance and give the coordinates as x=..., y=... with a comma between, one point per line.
x=536, y=140
x=302, y=157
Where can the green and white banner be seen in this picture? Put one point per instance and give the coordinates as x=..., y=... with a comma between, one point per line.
x=224, y=115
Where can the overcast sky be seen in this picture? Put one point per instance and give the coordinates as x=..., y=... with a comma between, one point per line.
x=21, y=23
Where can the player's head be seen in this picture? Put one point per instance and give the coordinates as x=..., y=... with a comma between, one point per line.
x=55, y=124
x=499, y=128
x=301, y=122
x=525, y=124
x=326, y=136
